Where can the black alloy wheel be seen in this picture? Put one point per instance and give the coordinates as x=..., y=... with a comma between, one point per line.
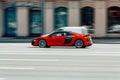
x=79, y=44
x=42, y=44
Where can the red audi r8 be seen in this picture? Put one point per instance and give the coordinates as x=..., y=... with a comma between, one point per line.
x=63, y=38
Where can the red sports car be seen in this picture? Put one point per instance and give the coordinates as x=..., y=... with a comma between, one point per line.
x=63, y=38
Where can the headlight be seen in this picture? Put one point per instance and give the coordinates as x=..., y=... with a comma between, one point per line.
x=34, y=40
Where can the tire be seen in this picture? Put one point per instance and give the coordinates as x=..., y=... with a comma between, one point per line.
x=79, y=44
x=42, y=44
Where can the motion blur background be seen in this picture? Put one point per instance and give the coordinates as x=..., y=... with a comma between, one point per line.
x=23, y=18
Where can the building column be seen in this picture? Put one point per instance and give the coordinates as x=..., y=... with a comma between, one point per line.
x=74, y=16
x=49, y=15
x=23, y=21
x=100, y=19
x=1, y=20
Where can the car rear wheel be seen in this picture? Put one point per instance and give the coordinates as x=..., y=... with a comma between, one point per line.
x=79, y=44
x=42, y=44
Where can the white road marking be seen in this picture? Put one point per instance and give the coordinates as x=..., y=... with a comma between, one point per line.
x=67, y=54
x=2, y=78
x=18, y=68
x=48, y=60
x=57, y=60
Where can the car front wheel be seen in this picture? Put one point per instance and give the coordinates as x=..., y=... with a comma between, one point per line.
x=79, y=44
x=42, y=44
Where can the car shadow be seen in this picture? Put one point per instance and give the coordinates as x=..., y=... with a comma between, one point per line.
x=60, y=47
x=33, y=47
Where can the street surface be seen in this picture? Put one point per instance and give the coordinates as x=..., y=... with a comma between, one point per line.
x=21, y=61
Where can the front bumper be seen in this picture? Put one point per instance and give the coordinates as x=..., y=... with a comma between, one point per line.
x=34, y=43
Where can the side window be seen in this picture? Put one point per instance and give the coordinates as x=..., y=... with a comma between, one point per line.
x=59, y=34
x=56, y=34
x=67, y=34
x=64, y=34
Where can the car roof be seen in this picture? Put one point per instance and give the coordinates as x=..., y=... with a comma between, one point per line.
x=61, y=31
x=76, y=29
x=72, y=28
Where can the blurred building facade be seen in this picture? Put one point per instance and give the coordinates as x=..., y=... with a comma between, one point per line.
x=23, y=17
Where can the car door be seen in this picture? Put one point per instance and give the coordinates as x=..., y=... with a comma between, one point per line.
x=68, y=38
x=62, y=38
x=55, y=39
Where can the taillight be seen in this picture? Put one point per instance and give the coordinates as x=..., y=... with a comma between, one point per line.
x=89, y=40
x=87, y=35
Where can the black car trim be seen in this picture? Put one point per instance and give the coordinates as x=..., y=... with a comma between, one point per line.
x=68, y=39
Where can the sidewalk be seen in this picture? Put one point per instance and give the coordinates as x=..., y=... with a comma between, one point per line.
x=110, y=40
x=16, y=39
x=29, y=39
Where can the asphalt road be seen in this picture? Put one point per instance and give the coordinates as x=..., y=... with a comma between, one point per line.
x=21, y=61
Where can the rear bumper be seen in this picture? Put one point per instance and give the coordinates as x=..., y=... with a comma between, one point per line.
x=89, y=41
x=89, y=45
